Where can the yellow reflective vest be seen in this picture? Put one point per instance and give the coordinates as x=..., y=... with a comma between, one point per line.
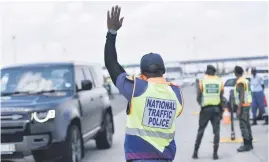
x=211, y=87
x=150, y=127
x=247, y=92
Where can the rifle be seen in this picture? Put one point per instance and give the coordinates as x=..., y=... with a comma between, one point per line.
x=232, y=119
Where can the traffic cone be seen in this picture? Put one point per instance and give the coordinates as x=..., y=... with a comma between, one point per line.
x=226, y=117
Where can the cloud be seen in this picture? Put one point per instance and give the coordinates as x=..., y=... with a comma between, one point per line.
x=222, y=29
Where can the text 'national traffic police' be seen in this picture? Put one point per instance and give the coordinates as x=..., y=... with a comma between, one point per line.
x=159, y=113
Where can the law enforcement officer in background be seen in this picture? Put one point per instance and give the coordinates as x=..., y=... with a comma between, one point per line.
x=243, y=99
x=209, y=97
x=257, y=92
x=149, y=137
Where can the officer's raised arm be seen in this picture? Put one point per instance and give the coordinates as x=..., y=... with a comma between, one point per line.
x=115, y=70
x=111, y=60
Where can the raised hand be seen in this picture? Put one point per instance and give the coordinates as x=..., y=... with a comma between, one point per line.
x=114, y=22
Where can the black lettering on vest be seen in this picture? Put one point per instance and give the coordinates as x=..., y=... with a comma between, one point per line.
x=157, y=104
x=162, y=104
x=170, y=105
x=167, y=122
x=158, y=113
x=153, y=104
x=150, y=120
x=164, y=113
x=174, y=105
x=150, y=109
x=153, y=112
x=167, y=105
x=161, y=114
x=149, y=102
x=170, y=114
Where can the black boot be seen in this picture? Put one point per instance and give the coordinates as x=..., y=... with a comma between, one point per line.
x=254, y=121
x=195, y=153
x=215, y=154
x=265, y=120
x=245, y=147
x=250, y=144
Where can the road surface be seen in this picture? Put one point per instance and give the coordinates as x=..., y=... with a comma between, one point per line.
x=187, y=125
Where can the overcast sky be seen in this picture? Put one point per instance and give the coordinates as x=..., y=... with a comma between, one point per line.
x=46, y=31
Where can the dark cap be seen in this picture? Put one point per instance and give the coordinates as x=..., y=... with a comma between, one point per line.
x=238, y=70
x=152, y=63
x=210, y=67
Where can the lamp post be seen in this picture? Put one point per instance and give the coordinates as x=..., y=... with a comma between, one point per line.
x=14, y=49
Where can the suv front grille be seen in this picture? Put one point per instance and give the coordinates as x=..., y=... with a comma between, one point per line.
x=15, y=155
x=16, y=137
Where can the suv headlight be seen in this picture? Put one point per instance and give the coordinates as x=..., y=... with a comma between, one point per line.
x=44, y=116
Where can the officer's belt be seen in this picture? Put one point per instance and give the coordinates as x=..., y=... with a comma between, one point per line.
x=210, y=106
x=142, y=132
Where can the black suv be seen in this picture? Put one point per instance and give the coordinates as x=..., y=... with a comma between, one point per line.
x=49, y=110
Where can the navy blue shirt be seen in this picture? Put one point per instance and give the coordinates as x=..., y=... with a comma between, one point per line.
x=125, y=87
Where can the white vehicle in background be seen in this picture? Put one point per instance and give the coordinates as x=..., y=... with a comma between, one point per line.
x=179, y=81
x=229, y=83
x=188, y=81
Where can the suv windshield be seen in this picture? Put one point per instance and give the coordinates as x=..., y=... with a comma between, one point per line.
x=36, y=79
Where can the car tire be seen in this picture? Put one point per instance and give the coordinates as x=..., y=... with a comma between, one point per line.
x=38, y=156
x=104, y=138
x=73, y=150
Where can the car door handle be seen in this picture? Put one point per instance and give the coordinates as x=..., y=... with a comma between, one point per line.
x=101, y=96
x=92, y=99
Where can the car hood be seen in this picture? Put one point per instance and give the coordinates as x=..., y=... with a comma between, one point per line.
x=30, y=102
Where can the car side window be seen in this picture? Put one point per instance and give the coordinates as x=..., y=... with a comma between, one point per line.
x=98, y=79
x=230, y=83
x=79, y=76
x=266, y=83
x=88, y=75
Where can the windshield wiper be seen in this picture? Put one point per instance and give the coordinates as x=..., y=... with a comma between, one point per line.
x=14, y=93
x=50, y=91
x=31, y=92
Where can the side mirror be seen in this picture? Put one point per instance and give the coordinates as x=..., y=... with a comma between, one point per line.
x=86, y=85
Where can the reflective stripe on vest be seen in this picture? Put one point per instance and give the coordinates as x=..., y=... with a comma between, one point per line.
x=142, y=132
x=153, y=115
x=211, y=89
x=247, y=92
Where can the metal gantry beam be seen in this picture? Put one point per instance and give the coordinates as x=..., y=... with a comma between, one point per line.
x=235, y=59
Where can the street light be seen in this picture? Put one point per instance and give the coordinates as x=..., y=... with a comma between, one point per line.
x=14, y=49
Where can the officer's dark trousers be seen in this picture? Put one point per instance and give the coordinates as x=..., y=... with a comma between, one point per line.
x=213, y=115
x=244, y=124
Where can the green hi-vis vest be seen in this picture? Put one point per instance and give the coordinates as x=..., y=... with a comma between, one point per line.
x=211, y=89
x=153, y=114
x=247, y=92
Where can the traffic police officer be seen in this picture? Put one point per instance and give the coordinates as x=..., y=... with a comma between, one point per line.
x=243, y=101
x=154, y=103
x=209, y=97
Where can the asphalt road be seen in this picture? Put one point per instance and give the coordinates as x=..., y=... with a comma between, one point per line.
x=187, y=125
